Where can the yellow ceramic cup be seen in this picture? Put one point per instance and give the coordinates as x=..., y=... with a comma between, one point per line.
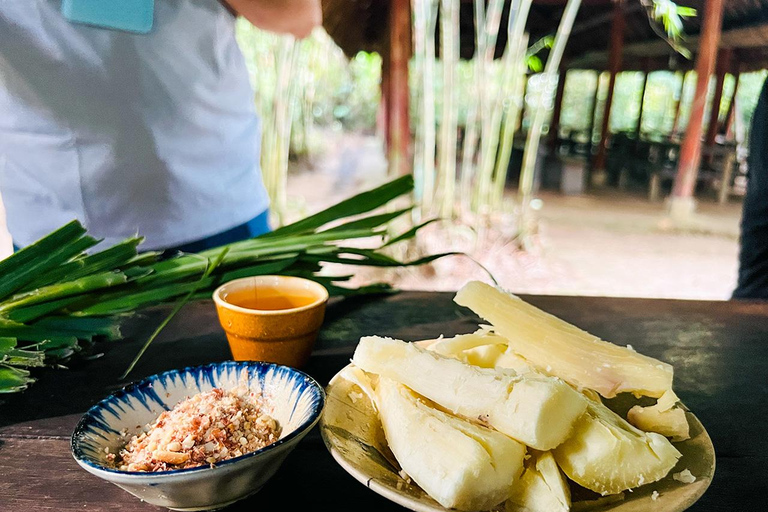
x=271, y=318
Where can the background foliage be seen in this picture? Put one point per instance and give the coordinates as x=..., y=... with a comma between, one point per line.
x=343, y=94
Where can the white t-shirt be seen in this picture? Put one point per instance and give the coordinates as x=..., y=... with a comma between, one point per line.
x=155, y=134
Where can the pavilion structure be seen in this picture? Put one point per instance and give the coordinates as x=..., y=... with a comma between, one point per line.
x=726, y=36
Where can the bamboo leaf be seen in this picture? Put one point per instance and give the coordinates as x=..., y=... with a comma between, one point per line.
x=371, y=222
x=359, y=204
x=13, y=380
x=30, y=333
x=372, y=259
x=31, y=253
x=120, y=302
x=108, y=259
x=83, y=327
x=6, y=345
x=144, y=259
x=175, y=310
x=47, y=257
x=27, y=314
x=408, y=234
x=61, y=290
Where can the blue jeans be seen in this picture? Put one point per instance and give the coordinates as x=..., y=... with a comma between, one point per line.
x=254, y=227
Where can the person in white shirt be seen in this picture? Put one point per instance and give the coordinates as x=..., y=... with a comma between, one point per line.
x=131, y=133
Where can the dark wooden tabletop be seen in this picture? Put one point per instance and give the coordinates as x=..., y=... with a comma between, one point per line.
x=719, y=350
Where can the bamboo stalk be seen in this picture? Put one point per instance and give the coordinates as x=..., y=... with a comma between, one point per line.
x=449, y=56
x=534, y=134
x=511, y=120
x=518, y=15
x=427, y=10
x=419, y=20
x=487, y=29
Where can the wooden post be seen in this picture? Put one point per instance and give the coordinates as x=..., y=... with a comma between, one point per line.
x=382, y=116
x=723, y=62
x=398, y=122
x=554, y=126
x=682, y=203
x=614, y=65
x=638, y=128
x=676, y=122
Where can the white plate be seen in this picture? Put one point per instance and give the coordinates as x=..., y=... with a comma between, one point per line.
x=353, y=434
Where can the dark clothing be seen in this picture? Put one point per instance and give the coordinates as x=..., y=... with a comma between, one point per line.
x=753, y=259
x=254, y=227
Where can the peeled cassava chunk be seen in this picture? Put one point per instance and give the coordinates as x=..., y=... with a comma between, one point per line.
x=460, y=464
x=541, y=488
x=481, y=348
x=576, y=356
x=608, y=455
x=538, y=411
x=664, y=418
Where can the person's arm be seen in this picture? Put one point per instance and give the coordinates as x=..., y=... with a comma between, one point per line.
x=297, y=17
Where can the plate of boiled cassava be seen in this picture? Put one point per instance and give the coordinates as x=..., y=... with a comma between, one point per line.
x=528, y=414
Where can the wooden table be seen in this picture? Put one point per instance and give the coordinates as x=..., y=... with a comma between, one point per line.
x=720, y=353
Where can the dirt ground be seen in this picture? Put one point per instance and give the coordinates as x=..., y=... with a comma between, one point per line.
x=605, y=244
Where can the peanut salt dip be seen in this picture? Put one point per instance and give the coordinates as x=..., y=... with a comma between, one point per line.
x=207, y=428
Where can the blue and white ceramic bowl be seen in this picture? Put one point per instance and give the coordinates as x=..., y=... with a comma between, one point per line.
x=296, y=398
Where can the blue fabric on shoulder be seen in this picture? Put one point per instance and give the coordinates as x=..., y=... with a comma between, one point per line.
x=129, y=15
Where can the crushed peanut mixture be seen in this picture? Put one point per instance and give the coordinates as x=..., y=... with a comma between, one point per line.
x=207, y=428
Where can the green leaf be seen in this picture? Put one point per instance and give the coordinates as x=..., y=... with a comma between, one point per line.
x=30, y=333
x=175, y=310
x=534, y=63
x=13, y=380
x=408, y=234
x=359, y=204
x=62, y=290
x=27, y=314
x=370, y=222
x=108, y=259
x=83, y=327
x=7, y=344
x=22, y=258
x=47, y=256
x=372, y=259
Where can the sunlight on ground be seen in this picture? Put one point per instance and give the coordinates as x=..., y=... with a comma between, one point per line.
x=608, y=244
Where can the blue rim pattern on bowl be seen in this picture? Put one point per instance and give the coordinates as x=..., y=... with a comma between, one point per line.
x=93, y=423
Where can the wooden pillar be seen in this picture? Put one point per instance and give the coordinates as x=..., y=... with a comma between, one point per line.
x=690, y=153
x=638, y=128
x=614, y=66
x=382, y=115
x=554, y=126
x=723, y=62
x=727, y=126
x=397, y=120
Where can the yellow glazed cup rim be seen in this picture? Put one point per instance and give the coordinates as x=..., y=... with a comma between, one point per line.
x=286, y=283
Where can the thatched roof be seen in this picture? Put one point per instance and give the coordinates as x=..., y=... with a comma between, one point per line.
x=358, y=25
